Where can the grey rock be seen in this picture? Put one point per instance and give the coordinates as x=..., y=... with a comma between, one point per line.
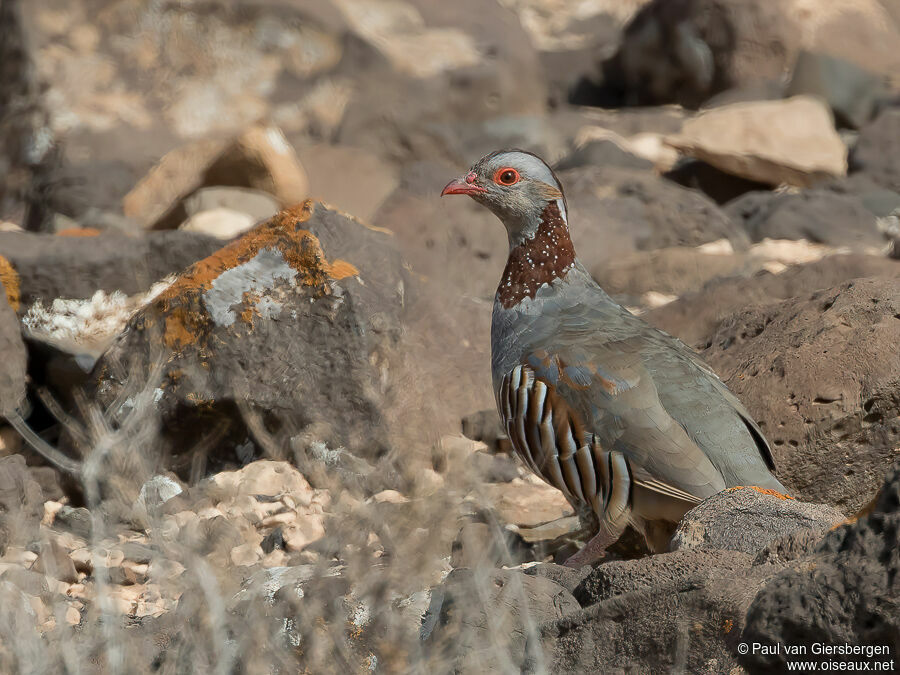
x=484, y=617
x=847, y=591
x=567, y=577
x=21, y=503
x=52, y=267
x=877, y=151
x=14, y=363
x=820, y=216
x=620, y=577
x=685, y=619
x=157, y=491
x=851, y=92
x=747, y=520
x=602, y=153
x=280, y=329
x=618, y=211
x=686, y=52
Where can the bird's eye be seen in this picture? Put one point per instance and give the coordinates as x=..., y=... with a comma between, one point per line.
x=507, y=176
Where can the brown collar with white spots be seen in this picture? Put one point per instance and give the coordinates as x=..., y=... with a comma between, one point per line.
x=548, y=255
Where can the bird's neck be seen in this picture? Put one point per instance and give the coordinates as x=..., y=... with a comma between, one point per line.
x=537, y=260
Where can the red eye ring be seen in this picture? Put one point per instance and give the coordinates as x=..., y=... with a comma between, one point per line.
x=506, y=176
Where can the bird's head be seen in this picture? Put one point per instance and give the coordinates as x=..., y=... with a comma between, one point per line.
x=516, y=186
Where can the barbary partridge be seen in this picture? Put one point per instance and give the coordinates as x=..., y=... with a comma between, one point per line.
x=624, y=419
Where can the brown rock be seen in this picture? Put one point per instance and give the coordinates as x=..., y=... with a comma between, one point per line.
x=791, y=141
x=820, y=374
x=526, y=502
x=54, y=560
x=260, y=158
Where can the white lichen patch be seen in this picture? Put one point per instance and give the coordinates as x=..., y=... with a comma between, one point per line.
x=86, y=327
x=252, y=278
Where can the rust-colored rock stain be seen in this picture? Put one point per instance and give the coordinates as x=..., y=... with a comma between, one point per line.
x=186, y=320
x=760, y=490
x=10, y=280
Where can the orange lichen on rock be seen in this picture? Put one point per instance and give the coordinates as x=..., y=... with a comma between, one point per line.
x=301, y=250
x=78, y=232
x=9, y=278
x=760, y=490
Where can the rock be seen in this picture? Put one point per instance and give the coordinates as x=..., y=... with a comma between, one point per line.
x=260, y=158
x=78, y=521
x=257, y=204
x=667, y=612
x=350, y=179
x=718, y=185
x=54, y=561
x=494, y=468
x=820, y=216
x=851, y=92
x=220, y=223
x=844, y=592
x=747, y=519
x=603, y=152
x=484, y=426
x=791, y=141
x=21, y=503
x=694, y=317
x=526, y=502
x=685, y=52
x=672, y=271
x=490, y=635
x=13, y=367
x=260, y=327
x=876, y=152
x=482, y=546
x=567, y=577
x=814, y=372
x=620, y=577
x=616, y=211
x=50, y=267
x=419, y=65
x=157, y=491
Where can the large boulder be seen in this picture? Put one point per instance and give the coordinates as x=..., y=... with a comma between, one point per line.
x=820, y=375
x=290, y=328
x=845, y=591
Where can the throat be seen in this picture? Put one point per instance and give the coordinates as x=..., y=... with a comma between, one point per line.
x=546, y=256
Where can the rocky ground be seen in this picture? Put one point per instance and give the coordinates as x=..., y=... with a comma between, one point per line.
x=252, y=343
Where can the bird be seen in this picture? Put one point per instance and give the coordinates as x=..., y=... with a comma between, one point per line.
x=624, y=419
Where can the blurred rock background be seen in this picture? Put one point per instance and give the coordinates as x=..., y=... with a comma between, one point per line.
x=262, y=424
